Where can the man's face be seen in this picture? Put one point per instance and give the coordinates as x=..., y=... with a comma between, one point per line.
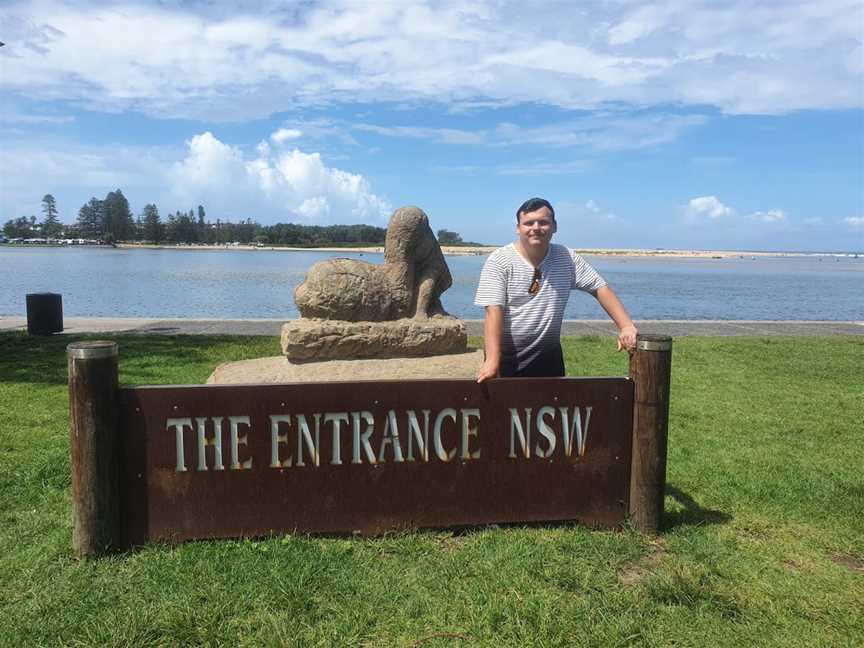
x=535, y=229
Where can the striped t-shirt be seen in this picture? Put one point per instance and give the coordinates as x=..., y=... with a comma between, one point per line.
x=532, y=323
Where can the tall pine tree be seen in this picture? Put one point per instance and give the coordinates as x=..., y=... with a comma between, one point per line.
x=119, y=224
x=90, y=223
x=51, y=227
x=201, y=226
x=153, y=229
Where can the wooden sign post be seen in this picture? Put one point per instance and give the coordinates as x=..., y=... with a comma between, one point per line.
x=651, y=372
x=94, y=443
x=207, y=461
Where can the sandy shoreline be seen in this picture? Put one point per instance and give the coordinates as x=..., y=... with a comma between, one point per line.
x=481, y=250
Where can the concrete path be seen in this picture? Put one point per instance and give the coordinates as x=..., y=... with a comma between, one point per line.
x=675, y=328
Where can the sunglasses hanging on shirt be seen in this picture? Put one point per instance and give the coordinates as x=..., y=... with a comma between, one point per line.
x=534, y=288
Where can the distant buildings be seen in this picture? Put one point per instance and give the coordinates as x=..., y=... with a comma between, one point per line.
x=48, y=241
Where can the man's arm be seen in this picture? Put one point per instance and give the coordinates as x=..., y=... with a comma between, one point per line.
x=615, y=309
x=493, y=327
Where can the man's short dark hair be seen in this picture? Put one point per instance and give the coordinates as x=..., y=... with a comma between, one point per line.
x=533, y=204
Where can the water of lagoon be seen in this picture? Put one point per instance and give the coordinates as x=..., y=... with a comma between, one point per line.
x=237, y=284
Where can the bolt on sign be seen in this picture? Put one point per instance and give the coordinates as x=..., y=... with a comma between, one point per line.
x=226, y=461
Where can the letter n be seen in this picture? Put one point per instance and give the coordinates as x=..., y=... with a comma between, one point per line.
x=523, y=433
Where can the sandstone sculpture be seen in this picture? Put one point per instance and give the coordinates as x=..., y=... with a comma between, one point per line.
x=409, y=284
x=354, y=309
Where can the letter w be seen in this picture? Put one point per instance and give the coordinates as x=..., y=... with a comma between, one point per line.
x=574, y=431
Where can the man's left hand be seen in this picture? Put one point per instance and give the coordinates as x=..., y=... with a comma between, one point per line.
x=627, y=338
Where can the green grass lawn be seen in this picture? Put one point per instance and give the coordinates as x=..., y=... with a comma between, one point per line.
x=763, y=546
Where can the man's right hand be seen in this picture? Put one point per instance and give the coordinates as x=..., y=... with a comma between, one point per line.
x=489, y=369
x=493, y=324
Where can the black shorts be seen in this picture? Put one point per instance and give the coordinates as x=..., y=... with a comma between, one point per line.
x=549, y=364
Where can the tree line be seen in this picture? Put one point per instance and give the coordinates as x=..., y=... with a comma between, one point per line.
x=110, y=220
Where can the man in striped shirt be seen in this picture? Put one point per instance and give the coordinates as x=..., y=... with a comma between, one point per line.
x=524, y=288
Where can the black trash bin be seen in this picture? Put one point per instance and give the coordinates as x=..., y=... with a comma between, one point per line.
x=44, y=313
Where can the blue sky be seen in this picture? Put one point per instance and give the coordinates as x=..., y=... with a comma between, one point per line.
x=708, y=125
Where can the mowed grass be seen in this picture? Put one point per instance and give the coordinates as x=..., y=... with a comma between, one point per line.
x=763, y=545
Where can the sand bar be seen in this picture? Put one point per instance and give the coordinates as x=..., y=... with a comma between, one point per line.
x=486, y=249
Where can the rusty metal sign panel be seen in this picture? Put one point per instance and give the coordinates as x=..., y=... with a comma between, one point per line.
x=367, y=457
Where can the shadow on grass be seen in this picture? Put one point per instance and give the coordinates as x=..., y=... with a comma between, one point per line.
x=42, y=360
x=691, y=513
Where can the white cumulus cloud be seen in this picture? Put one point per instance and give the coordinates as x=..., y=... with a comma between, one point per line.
x=855, y=222
x=770, y=216
x=708, y=207
x=272, y=187
x=284, y=134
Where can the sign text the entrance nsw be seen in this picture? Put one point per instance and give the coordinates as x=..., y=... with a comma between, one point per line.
x=223, y=461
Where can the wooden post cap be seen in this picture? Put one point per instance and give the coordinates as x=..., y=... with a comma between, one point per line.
x=653, y=342
x=91, y=350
